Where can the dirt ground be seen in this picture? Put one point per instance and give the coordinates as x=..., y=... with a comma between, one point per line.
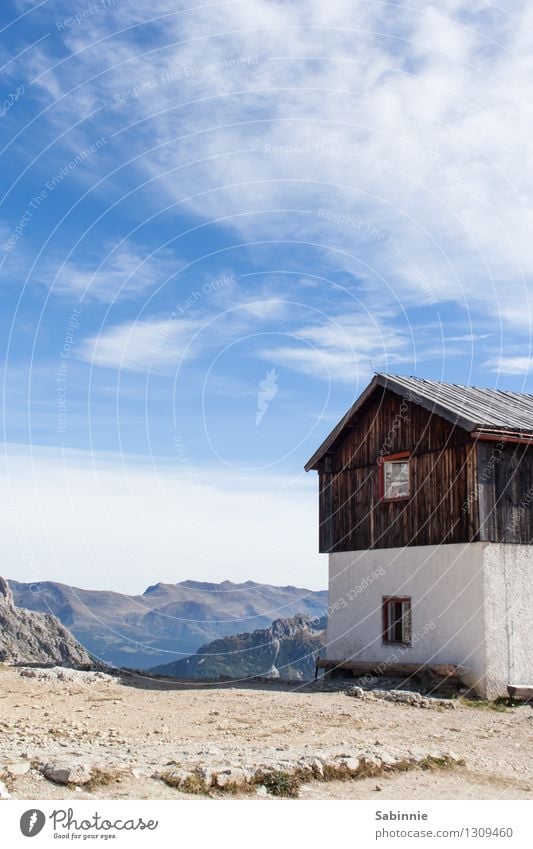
x=132, y=729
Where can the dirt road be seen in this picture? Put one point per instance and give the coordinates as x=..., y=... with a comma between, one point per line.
x=108, y=738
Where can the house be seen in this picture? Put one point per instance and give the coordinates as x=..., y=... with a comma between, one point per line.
x=426, y=513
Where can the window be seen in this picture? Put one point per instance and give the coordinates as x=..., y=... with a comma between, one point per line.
x=395, y=477
x=397, y=620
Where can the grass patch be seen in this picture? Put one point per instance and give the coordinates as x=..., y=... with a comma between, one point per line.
x=438, y=763
x=499, y=705
x=337, y=773
x=507, y=701
x=101, y=778
x=193, y=783
x=280, y=783
x=170, y=779
x=234, y=788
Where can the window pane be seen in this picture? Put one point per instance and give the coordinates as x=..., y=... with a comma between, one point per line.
x=397, y=612
x=396, y=478
x=406, y=622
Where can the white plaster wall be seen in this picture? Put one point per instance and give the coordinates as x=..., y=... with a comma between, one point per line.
x=508, y=593
x=446, y=586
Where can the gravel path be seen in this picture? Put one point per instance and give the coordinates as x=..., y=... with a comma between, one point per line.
x=120, y=734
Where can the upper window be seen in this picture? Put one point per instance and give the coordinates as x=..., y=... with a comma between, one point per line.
x=395, y=477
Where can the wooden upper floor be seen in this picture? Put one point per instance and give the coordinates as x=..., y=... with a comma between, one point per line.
x=402, y=469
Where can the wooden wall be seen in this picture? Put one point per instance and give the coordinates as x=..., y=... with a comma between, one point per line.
x=505, y=479
x=443, y=507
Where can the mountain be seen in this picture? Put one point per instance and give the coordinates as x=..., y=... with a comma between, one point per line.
x=28, y=637
x=167, y=620
x=287, y=649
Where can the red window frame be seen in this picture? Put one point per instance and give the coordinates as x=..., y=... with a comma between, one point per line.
x=401, y=455
x=387, y=624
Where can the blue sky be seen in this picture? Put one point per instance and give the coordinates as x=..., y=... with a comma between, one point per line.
x=211, y=211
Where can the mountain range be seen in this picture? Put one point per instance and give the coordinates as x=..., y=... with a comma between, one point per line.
x=287, y=649
x=168, y=621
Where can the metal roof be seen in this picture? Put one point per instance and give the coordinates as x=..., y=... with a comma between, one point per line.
x=490, y=411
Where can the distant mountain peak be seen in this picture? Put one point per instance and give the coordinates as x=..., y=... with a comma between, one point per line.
x=209, y=586
x=286, y=649
x=152, y=588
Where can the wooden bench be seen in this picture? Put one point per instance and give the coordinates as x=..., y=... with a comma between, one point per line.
x=434, y=676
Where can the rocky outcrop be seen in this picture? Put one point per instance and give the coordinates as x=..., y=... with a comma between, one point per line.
x=284, y=777
x=36, y=638
x=406, y=697
x=287, y=649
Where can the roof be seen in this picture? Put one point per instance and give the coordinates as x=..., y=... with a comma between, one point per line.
x=482, y=412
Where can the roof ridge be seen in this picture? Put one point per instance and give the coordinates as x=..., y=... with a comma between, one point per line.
x=469, y=407
x=433, y=381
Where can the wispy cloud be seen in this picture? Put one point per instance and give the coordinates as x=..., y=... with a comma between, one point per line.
x=344, y=348
x=424, y=172
x=141, y=345
x=125, y=272
x=517, y=365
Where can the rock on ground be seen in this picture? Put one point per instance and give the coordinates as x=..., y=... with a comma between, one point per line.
x=406, y=697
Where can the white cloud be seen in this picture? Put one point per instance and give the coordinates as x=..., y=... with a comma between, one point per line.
x=522, y=365
x=318, y=363
x=415, y=126
x=140, y=345
x=264, y=309
x=468, y=337
x=105, y=521
x=344, y=348
x=125, y=271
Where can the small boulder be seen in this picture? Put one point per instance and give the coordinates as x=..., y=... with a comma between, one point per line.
x=61, y=773
x=18, y=768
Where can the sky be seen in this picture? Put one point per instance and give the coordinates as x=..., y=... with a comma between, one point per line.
x=217, y=220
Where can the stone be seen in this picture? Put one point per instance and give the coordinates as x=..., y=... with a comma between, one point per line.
x=356, y=692
x=138, y=773
x=60, y=773
x=4, y=792
x=19, y=768
x=316, y=766
x=231, y=776
x=351, y=763
x=400, y=696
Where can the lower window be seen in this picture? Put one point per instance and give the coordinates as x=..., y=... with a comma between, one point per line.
x=397, y=619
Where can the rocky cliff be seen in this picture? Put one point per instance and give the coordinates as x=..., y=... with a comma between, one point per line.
x=28, y=637
x=287, y=649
